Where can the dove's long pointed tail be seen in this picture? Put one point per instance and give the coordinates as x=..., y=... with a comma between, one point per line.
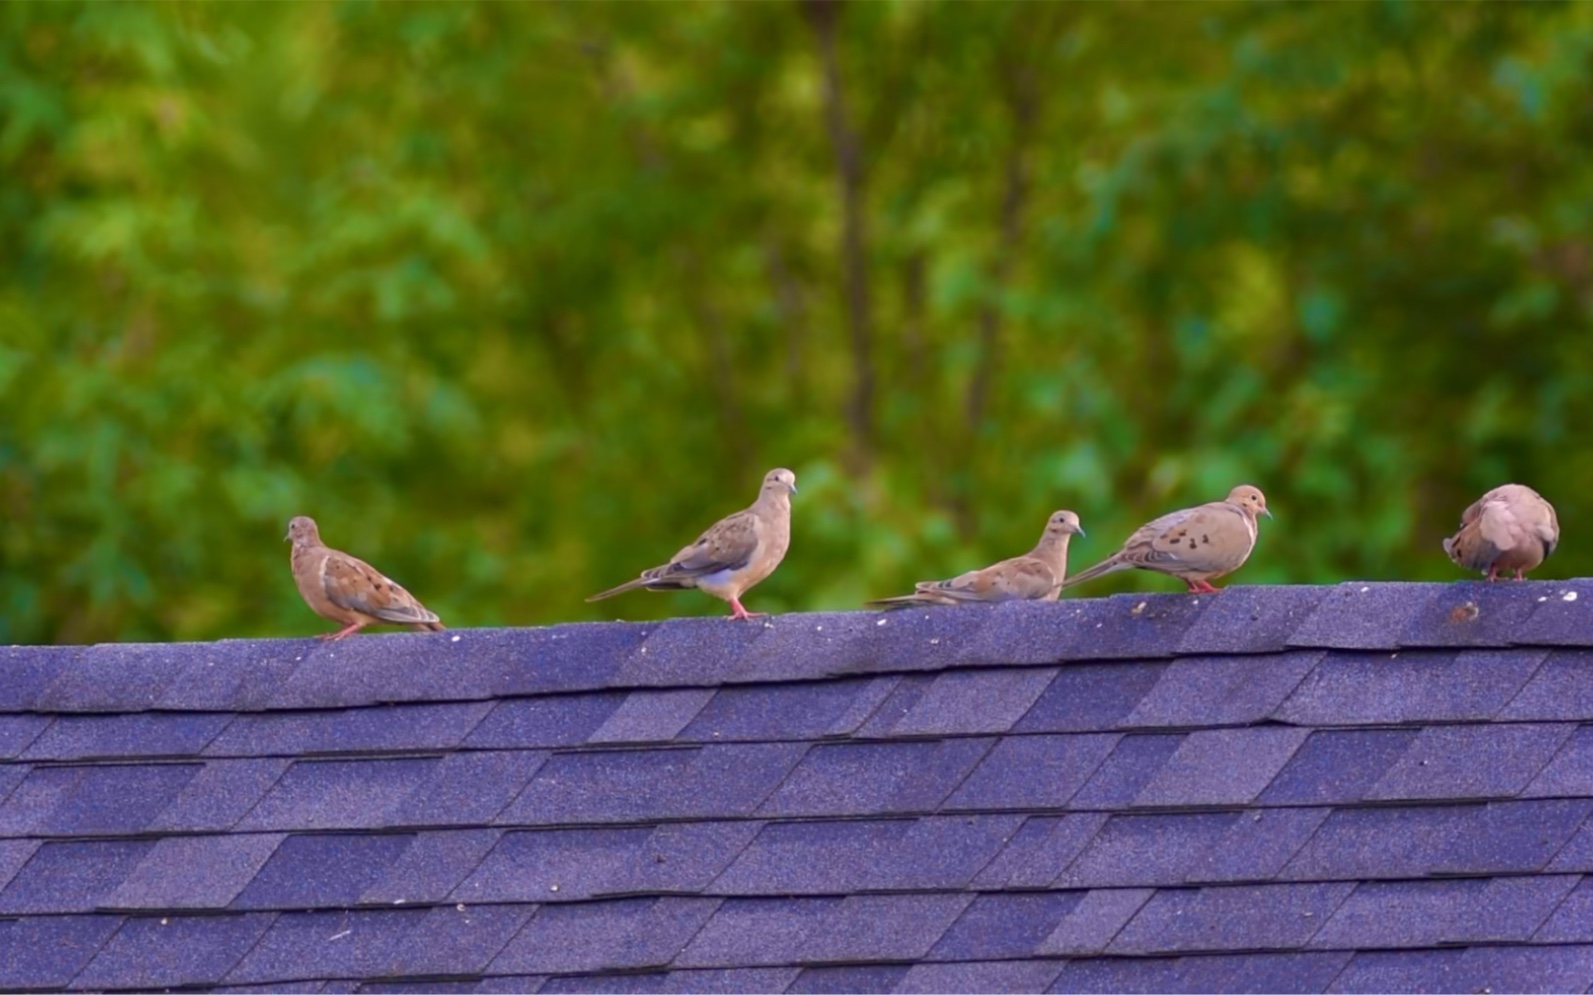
x=903, y=601
x=629, y=585
x=1106, y=566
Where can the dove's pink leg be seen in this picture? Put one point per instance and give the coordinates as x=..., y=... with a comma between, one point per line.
x=1520, y=575
x=1493, y=573
x=347, y=630
x=1200, y=587
x=739, y=612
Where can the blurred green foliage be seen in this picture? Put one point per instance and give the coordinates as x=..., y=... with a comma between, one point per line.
x=515, y=298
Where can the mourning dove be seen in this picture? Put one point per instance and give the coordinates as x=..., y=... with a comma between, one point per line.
x=1035, y=576
x=733, y=555
x=1193, y=544
x=346, y=589
x=1510, y=528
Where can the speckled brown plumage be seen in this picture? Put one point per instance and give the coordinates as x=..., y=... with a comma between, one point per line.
x=1195, y=545
x=734, y=554
x=1510, y=529
x=348, y=590
x=1035, y=576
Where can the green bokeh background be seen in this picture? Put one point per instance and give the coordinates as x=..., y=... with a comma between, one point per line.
x=516, y=298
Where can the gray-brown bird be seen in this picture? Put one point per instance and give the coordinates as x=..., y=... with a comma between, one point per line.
x=733, y=555
x=348, y=590
x=1196, y=545
x=1511, y=529
x=1035, y=576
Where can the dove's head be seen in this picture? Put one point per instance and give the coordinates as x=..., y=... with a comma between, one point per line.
x=1064, y=523
x=779, y=482
x=303, y=532
x=1250, y=499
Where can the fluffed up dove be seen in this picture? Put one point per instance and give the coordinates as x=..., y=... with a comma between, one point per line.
x=1193, y=544
x=1035, y=576
x=1510, y=528
x=734, y=554
x=346, y=589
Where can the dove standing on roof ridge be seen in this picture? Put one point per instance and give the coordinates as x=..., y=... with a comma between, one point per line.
x=346, y=589
x=734, y=554
x=1510, y=528
x=1035, y=576
x=1193, y=544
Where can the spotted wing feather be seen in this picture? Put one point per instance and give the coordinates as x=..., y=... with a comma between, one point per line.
x=355, y=585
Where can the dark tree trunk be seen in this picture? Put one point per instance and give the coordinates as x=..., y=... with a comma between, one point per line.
x=823, y=16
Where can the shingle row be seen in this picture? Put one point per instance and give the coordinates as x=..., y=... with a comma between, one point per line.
x=1549, y=969
x=277, y=871
x=1305, y=688
x=685, y=933
x=1270, y=766
x=482, y=664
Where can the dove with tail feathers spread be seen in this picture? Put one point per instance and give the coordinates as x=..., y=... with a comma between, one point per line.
x=346, y=589
x=733, y=555
x=1193, y=544
x=1035, y=576
x=1509, y=529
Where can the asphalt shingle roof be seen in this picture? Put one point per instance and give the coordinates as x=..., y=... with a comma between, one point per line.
x=1367, y=787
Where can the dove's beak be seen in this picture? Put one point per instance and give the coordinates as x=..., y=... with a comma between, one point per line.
x=793, y=488
x=1080, y=530
x=1264, y=511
